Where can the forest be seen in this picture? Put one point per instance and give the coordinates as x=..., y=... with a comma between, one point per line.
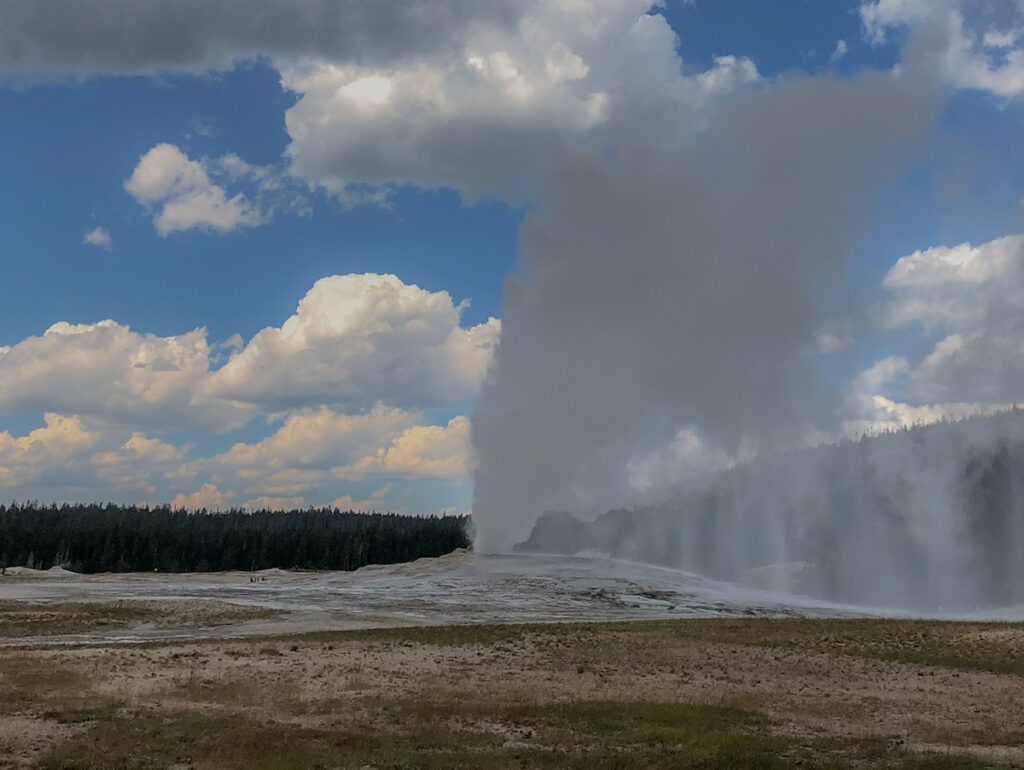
x=114, y=538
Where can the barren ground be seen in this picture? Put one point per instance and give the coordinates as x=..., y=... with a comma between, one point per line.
x=715, y=693
x=218, y=672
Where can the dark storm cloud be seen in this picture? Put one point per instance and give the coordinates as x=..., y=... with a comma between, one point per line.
x=44, y=38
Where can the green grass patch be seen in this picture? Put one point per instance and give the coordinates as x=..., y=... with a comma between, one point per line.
x=432, y=736
x=20, y=619
x=31, y=684
x=992, y=647
x=602, y=735
x=450, y=636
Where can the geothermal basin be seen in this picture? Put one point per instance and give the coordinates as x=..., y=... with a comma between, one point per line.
x=462, y=587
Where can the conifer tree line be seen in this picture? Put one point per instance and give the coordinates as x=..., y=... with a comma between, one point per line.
x=115, y=538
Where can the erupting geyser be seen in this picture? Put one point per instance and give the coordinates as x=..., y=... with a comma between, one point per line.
x=668, y=293
x=928, y=519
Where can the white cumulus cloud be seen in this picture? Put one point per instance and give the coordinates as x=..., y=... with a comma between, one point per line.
x=421, y=451
x=486, y=115
x=114, y=375
x=184, y=197
x=967, y=42
x=266, y=503
x=314, y=449
x=353, y=383
x=137, y=463
x=973, y=296
x=60, y=442
x=347, y=503
x=969, y=299
x=66, y=459
x=99, y=236
x=355, y=340
x=207, y=496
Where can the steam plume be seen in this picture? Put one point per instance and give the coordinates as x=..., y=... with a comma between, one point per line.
x=666, y=291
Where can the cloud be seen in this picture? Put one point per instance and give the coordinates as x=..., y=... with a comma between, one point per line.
x=134, y=464
x=346, y=503
x=382, y=354
x=207, y=496
x=422, y=451
x=275, y=503
x=115, y=376
x=66, y=459
x=355, y=340
x=969, y=300
x=184, y=197
x=54, y=38
x=315, y=449
x=315, y=445
x=304, y=461
x=870, y=411
x=317, y=439
x=488, y=114
x=474, y=96
x=99, y=236
x=839, y=52
x=1001, y=38
x=956, y=286
x=880, y=16
x=957, y=39
x=61, y=442
x=973, y=297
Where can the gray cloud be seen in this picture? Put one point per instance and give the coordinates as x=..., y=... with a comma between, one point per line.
x=967, y=44
x=45, y=38
x=670, y=291
x=974, y=297
x=486, y=118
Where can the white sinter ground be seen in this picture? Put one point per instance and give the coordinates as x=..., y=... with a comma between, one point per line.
x=462, y=587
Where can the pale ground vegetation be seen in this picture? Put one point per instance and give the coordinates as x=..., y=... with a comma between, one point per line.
x=711, y=693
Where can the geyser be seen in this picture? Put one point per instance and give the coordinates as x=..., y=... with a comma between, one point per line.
x=928, y=519
x=666, y=290
x=670, y=294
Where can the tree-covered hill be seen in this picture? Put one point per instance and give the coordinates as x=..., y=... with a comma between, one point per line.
x=114, y=538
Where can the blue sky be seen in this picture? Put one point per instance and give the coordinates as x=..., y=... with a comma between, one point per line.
x=396, y=187
x=76, y=143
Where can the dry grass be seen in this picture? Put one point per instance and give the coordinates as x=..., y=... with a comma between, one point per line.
x=686, y=694
x=26, y=619
x=21, y=619
x=993, y=647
